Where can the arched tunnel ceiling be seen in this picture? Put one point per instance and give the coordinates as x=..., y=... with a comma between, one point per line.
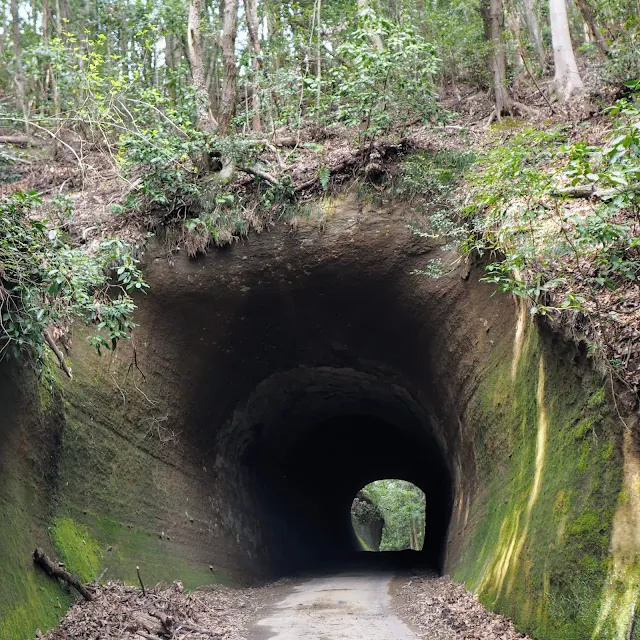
x=309, y=363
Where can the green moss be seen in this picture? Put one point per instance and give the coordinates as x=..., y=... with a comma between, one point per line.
x=159, y=561
x=80, y=552
x=598, y=399
x=540, y=549
x=29, y=599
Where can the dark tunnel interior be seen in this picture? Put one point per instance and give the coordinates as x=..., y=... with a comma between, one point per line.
x=306, y=458
x=306, y=374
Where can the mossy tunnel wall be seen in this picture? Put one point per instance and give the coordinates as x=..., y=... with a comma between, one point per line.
x=275, y=378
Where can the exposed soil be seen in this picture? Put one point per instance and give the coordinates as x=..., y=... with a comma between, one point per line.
x=437, y=608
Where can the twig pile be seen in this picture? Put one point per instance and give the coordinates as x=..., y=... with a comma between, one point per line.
x=439, y=609
x=123, y=612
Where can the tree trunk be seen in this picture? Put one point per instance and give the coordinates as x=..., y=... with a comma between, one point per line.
x=58, y=20
x=514, y=27
x=364, y=10
x=318, y=57
x=588, y=16
x=229, y=71
x=17, y=54
x=204, y=118
x=567, y=77
x=251, y=12
x=534, y=30
x=45, y=21
x=493, y=15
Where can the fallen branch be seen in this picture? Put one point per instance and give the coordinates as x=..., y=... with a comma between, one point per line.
x=172, y=626
x=590, y=191
x=54, y=347
x=255, y=171
x=57, y=571
x=22, y=141
x=144, y=591
x=284, y=141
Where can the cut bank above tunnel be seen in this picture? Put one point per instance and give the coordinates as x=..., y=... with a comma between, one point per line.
x=284, y=373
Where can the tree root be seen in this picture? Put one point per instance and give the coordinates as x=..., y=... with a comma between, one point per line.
x=54, y=347
x=265, y=175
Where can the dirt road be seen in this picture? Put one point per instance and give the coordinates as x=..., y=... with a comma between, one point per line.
x=341, y=607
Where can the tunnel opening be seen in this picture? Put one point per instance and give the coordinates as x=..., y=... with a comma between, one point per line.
x=389, y=515
x=304, y=366
x=307, y=441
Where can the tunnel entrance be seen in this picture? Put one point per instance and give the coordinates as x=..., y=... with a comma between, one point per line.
x=304, y=444
x=303, y=366
x=389, y=515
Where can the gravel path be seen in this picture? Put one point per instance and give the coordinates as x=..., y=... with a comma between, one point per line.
x=339, y=607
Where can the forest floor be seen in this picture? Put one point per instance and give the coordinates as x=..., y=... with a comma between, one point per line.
x=345, y=606
x=124, y=612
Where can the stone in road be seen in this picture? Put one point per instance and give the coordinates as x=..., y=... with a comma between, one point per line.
x=342, y=607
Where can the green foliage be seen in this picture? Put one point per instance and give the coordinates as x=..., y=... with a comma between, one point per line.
x=377, y=88
x=403, y=507
x=433, y=175
x=45, y=284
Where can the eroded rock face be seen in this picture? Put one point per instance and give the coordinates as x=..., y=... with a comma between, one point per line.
x=368, y=522
x=271, y=380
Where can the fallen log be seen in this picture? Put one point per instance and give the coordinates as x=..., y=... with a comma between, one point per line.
x=590, y=191
x=22, y=141
x=56, y=571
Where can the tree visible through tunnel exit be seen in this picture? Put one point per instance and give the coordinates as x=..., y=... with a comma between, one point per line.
x=389, y=515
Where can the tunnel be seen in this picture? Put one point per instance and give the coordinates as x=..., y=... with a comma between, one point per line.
x=267, y=382
x=329, y=434
x=301, y=366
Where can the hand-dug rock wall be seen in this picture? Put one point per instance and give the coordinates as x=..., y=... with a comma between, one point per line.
x=271, y=380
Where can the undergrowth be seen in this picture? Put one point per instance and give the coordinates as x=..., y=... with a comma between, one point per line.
x=556, y=220
x=46, y=284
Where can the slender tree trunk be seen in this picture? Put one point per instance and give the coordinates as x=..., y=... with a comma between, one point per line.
x=124, y=38
x=251, y=13
x=514, y=27
x=45, y=39
x=318, y=56
x=534, y=30
x=364, y=10
x=205, y=120
x=212, y=77
x=493, y=15
x=45, y=21
x=229, y=71
x=567, y=77
x=17, y=54
x=589, y=18
x=58, y=20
